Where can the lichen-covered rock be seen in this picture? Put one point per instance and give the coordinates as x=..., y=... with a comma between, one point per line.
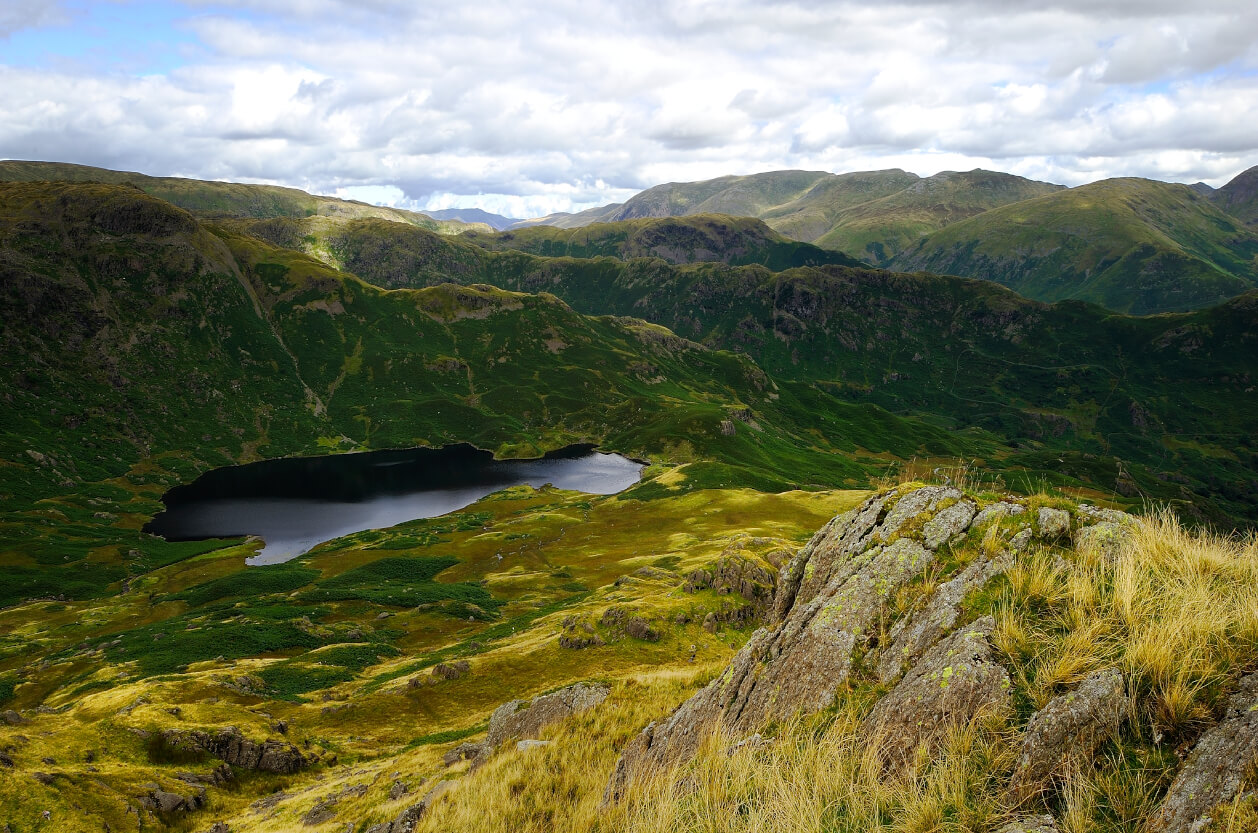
x=1030, y=824
x=914, y=634
x=1214, y=771
x=1105, y=537
x=1053, y=523
x=954, y=683
x=948, y=522
x=518, y=720
x=231, y=746
x=828, y=601
x=1071, y=725
x=323, y=811
x=996, y=511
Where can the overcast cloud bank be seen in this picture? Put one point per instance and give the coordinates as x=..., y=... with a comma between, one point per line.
x=524, y=111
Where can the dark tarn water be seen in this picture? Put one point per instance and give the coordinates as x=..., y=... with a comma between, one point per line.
x=298, y=503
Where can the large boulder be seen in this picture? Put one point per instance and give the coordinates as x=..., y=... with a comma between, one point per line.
x=1216, y=768
x=827, y=605
x=954, y=683
x=231, y=746
x=1072, y=725
x=518, y=720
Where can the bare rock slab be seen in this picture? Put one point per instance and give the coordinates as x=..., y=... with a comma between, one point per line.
x=954, y=683
x=1071, y=725
x=1214, y=770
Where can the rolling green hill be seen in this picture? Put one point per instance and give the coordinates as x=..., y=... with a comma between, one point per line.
x=1132, y=245
x=872, y=214
x=225, y=199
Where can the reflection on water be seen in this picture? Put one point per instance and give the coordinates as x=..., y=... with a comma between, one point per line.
x=295, y=504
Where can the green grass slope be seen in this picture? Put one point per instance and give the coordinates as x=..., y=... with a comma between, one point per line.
x=145, y=346
x=1154, y=406
x=879, y=229
x=224, y=199
x=1131, y=245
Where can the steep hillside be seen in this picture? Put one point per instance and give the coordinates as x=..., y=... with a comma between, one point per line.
x=690, y=239
x=223, y=199
x=881, y=228
x=145, y=345
x=1132, y=245
x=1239, y=197
x=1082, y=392
x=872, y=214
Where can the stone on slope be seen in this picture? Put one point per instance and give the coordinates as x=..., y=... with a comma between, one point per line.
x=410, y=817
x=950, y=521
x=1071, y=725
x=954, y=683
x=518, y=720
x=827, y=604
x=229, y=745
x=1216, y=767
x=996, y=511
x=1053, y=523
x=916, y=633
x=1030, y=824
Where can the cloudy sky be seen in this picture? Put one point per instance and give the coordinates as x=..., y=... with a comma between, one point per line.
x=530, y=107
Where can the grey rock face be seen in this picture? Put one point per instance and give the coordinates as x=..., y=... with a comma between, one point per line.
x=828, y=601
x=913, y=635
x=996, y=511
x=952, y=684
x=231, y=746
x=1213, y=772
x=1030, y=824
x=1071, y=725
x=518, y=719
x=1053, y=523
x=1105, y=537
x=951, y=521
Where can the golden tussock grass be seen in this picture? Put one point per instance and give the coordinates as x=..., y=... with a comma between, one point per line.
x=1176, y=610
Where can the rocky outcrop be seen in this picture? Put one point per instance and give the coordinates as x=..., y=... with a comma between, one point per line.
x=1072, y=725
x=518, y=720
x=232, y=747
x=955, y=682
x=408, y=818
x=828, y=601
x=1053, y=523
x=914, y=634
x=1214, y=771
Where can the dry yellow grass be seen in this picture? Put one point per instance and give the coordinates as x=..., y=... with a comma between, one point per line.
x=1174, y=609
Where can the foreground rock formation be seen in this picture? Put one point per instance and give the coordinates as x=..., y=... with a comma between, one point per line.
x=824, y=613
x=839, y=615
